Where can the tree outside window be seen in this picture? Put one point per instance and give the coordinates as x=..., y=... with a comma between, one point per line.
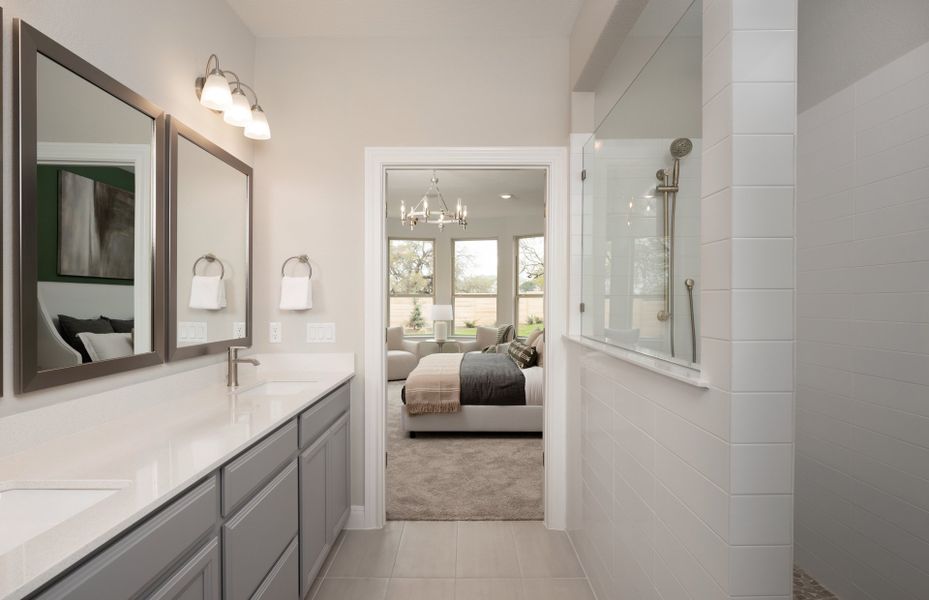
x=411, y=285
x=475, y=285
x=530, y=284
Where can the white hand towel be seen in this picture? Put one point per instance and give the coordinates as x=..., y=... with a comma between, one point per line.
x=207, y=293
x=296, y=293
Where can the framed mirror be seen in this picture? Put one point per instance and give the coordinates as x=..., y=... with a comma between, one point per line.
x=89, y=203
x=209, y=223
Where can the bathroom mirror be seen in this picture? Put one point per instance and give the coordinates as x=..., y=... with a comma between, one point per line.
x=641, y=202
x=210, y=239
x=89, y=282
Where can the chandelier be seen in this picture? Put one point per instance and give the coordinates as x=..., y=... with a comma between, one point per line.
x=421, y=213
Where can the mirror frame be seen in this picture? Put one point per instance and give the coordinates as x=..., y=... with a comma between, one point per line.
x=177, y=129
x=28, y=43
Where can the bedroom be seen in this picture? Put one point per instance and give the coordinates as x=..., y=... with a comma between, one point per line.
x=465, y=343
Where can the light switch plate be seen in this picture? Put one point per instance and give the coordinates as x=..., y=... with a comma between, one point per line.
x=238, y=330
x=320, y=333
x=274, y=332
x=191, y=332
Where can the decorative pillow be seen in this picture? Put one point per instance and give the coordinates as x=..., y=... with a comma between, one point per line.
x=105, y=346
x=121, y=325
x=503, y=335
x=69, y=327
x=539, y=346
x=524, y=356
x=533, y=336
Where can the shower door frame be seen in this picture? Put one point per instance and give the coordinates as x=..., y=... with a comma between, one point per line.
x=554, y=160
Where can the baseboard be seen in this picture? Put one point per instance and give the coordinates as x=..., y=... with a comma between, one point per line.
x=356, y=518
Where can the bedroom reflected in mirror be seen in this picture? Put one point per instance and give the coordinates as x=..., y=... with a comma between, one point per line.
x=88, y=296
x=210, y=261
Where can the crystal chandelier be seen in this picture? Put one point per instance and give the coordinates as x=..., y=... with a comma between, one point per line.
x=421, y=213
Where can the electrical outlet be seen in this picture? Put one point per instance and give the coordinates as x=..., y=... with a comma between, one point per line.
x=191, y=332
x=274, y=332
x=238, y=330
x=320, y=333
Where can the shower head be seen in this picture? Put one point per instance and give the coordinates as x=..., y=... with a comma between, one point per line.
x=681, y=147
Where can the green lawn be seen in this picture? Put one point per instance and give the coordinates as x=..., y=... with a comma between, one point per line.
x=522, y=331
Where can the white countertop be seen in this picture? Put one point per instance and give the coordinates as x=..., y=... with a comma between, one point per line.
x=152, y=453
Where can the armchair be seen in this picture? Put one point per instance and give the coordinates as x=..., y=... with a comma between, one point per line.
x=485, y=336
x=402, y=354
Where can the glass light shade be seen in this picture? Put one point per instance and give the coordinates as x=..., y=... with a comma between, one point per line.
x=258, y=128
x=441, y=312
x=239, y=113
x=215, y=94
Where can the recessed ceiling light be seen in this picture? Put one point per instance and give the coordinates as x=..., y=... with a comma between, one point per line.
x=507, y=196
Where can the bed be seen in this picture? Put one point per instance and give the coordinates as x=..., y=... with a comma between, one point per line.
x=494, y=395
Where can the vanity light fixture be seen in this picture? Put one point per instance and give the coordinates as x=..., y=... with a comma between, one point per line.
x=217, y=92
x=421, y=213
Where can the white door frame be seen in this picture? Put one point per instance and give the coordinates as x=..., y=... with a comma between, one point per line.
x=377, y=160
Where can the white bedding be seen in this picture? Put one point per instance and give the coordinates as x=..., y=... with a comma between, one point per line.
x=535, y=385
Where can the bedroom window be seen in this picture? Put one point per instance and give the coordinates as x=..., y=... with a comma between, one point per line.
x=411, y=285
x=474, y=265
x=530, y=284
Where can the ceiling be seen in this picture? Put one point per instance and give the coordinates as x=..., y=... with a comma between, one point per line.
x=479, y=189
x=408, y=18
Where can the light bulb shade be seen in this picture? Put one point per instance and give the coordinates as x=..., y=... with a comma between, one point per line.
x=442, y=312
x=239, y=113
x=215, y=94
x=258, y=128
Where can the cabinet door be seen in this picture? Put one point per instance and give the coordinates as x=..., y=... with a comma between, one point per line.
x=314, y=541
x=198, y=579
x=283, y=581
x=337, y=481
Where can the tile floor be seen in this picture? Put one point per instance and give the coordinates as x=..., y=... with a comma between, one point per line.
x=807, y=588
x=447, y=560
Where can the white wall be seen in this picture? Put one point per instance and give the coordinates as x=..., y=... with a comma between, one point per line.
x=156, y=49
x=863, y=329
x=680, y=492
x=332, y=97
x=503, y=229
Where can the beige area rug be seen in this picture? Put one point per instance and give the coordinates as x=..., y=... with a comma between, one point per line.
x=459, y=476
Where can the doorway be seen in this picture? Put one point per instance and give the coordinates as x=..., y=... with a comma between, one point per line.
x=551, y=164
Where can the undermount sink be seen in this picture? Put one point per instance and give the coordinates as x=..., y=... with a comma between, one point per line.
x=29, y=509
x=277, y=388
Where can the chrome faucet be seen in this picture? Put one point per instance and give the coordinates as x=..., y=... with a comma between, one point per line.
x=232, y=364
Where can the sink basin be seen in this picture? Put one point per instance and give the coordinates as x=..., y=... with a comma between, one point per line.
x=277, y=388
x=29, y=509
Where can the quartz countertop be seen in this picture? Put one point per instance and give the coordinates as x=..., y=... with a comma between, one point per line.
x=149, y=455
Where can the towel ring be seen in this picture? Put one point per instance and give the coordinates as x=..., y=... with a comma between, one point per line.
x=302, y=258
x=210, y=258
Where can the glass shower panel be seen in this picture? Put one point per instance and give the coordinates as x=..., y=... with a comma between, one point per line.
x=641, y=206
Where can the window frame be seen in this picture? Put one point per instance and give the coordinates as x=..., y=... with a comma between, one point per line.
x=391, y=295
x=454, y=278
x=516, y=294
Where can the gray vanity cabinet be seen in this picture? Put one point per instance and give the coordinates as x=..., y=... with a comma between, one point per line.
x=259, y=528
x=198, y=579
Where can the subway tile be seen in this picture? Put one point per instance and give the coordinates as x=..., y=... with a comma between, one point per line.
x=717, y=22
x=703, y=497
x=717, y=68
x=762, y=469
x=762, y=314
x=893, y=75
x=715, y=265
x=764, y=55
x=716, y=218
x=761, y=520
x=762, y=212
x=705, y=452
x=763, y=107
x=762, y=366
x=762, y=418
x=761, y=570
x=716, y=314
x=718, y=118
x=716, y=363
x=717, y=167
x=764, y=14
x=761, y=160
x=762, y=263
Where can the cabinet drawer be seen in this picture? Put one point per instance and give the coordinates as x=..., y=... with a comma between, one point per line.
x=318, y=418
x=245, y=474
x=259, y=533
x=134, y=562
x=282, y=583
x=198, y=579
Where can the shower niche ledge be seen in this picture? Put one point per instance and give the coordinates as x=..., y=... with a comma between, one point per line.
x=687, y=375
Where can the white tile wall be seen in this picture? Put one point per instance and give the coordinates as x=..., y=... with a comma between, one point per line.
x=862, y=480
x=688, y=493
